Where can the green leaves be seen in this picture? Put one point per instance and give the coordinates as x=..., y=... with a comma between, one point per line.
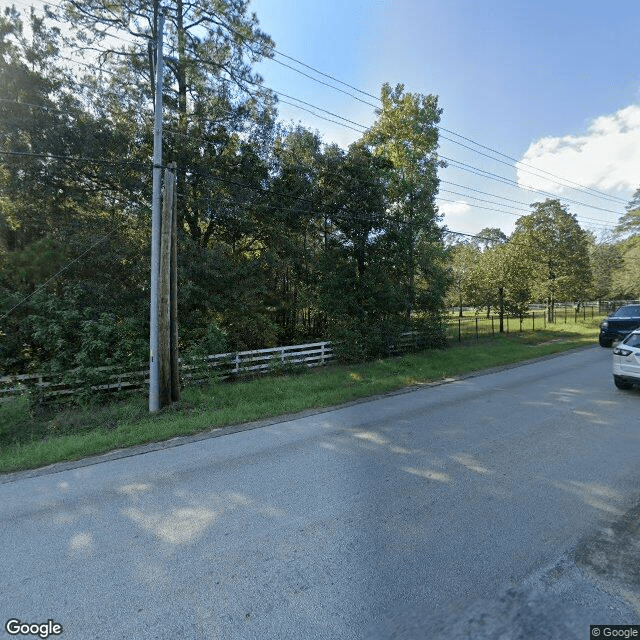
x=282, y=239
x=554, y=244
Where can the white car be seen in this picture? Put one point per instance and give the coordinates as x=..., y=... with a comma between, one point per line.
x=626, y=361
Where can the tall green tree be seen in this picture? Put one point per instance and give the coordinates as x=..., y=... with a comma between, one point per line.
x=358, y=289
x=625, y=278
x=463, y=257
x=406, y=135
x=217, y=114
x=553, y=243
x=606, y=260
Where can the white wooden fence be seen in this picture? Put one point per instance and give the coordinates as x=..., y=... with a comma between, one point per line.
x=220, y=366
x=226, y=365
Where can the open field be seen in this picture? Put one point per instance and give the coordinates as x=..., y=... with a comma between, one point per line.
x=33, y=436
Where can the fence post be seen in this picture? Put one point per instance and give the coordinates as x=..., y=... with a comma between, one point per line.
x=459, y=330
x=322, y=353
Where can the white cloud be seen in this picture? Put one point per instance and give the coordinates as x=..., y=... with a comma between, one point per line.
x=457, y=216
x=454, y=210
x=606, y=157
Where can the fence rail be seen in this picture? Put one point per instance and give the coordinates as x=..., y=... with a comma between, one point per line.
x=243, y=363
x=221, y=366
x=226, y=365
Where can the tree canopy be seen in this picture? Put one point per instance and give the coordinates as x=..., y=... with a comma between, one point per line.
x=282, y=238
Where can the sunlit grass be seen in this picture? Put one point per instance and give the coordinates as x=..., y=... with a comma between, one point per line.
x=33, y=437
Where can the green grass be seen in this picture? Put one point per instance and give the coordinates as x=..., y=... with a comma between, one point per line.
x=33, y=436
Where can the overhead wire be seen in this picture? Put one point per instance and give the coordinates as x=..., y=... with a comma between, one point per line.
x=55, y=275
x=68, y=158
x=563, y=181
x=597, y=221
x=467, y=167
x=361, y=128
x=517, y=164
x=463, y=165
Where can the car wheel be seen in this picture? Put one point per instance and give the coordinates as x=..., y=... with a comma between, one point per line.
x=605, y=342
x=621, y=383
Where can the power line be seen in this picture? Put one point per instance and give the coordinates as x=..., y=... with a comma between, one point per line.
x=55, y=275
x=326, y=84
x=468, y=167
x=67, y=158
x=580, y=186
x=477, y=169
x=363, y=127
x=217, y=178
x=594, y=224
x=589, y=221
x=563, y=181
x=523, y=170
x=456, y=163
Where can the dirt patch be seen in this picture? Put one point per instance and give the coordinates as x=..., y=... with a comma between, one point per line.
x=553, y=341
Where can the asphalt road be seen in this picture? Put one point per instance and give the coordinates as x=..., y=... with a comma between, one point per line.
x=504, y=505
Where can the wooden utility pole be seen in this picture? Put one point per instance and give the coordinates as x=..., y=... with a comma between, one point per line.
x=164, y=312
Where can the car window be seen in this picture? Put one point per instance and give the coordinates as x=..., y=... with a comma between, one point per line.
x=633, y=340
x=628, y=312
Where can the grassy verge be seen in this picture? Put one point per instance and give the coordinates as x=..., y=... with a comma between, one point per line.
x=32, y=436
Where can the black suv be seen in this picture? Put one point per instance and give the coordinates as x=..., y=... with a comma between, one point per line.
x=619, y=324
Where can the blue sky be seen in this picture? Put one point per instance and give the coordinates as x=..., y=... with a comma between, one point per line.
x=553, y=83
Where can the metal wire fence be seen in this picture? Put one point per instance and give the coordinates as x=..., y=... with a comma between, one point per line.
x=465, y=328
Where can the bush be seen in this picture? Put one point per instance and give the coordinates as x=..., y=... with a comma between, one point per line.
x=357, y=342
